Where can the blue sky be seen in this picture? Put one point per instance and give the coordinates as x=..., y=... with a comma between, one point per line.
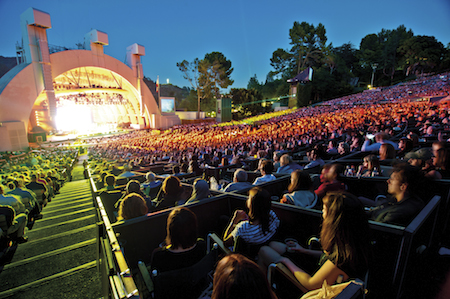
x=245, y=31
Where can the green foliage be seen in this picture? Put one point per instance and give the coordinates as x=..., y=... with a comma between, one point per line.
x=207, y=77
x=421, y=54
x=304, y=94
x=244, y=105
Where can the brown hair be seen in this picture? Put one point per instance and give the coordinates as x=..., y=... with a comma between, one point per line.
x=259, y=206
x=387, y=151
x=300, y=180
x=238, y=277
x=171, y=185
x=181, y=228
x=345, y=230
x=132, y=206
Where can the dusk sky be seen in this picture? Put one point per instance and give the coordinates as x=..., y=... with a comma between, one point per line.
x=247, y=32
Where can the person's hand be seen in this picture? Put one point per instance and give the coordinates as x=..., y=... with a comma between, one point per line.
x=239, y=215
x=293, y=246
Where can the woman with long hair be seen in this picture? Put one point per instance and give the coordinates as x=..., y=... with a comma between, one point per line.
x=238, y=277
x=345, y=244
x=256, y=227
x=182, y=248
x=370, y=163
x=171, y=194
x=300, y=190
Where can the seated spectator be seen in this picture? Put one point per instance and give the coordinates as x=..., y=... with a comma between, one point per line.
x=28, y=198
x=171, y=194
x=418, y=158
x=150, y=183
x=259, y=225
x=345, y=243
x=332, y=149
x=110, y=183
x=266, y=173
x=127, y=173
x=441, y=165
x=380, y=138
x=224, y=162
x=13, y=201
x=15, y=224
x=39, y=189
x=276, y=160
x=133, y=186
x=405, y=145
x=315, y=158
x=176, y=170
x=194, y=167
x=370, y=167
x=331, y=181
x=132, y=206
x=182, y=249
x=238, y=277
x=404, y=204
x=239, y=181
x=200, y=191
x=286, y=165
x=184, y=169
x=343, y=148
x=387, y=152
x=300, y=191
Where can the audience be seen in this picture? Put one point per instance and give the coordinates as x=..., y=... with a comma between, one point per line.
x=287, y=166
x=171, y=194
x=239, y=181
x=345, y=243
x=258, y=226
x=182, y=248
x=300, y=191
x=403, y=204
x=266, y=173
x=200, y=191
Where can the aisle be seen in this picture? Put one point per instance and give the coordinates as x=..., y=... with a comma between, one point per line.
x=59, y=260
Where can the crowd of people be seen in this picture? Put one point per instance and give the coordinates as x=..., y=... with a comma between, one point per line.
x=29, y=180
x=387, y=125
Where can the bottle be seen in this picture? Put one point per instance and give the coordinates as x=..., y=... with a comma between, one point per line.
x=375, y=172
x=347, y=170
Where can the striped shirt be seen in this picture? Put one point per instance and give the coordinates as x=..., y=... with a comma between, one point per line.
x=253, y=234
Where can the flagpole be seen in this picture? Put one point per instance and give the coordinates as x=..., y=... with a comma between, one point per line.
x=158, y=92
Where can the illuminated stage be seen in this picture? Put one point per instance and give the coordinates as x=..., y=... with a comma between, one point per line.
x=80, y=90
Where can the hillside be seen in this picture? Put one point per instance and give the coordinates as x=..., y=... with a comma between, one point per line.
x=168, y=90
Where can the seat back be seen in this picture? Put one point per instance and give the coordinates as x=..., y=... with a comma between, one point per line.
x=187, y=282
x=246, y=249
x=109, y=199
x=6, y=218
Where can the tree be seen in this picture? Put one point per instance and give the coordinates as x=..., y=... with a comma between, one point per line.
x=421, y=53
x=207, y=76
x=247, y=103
x=253, y=83
x=390, y=41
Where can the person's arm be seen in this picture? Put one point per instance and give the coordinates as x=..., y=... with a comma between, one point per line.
x=238, y=216
x=329, y=272
x=295, y=247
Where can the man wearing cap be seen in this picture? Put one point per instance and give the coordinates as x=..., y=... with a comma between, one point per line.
x=418, y=158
